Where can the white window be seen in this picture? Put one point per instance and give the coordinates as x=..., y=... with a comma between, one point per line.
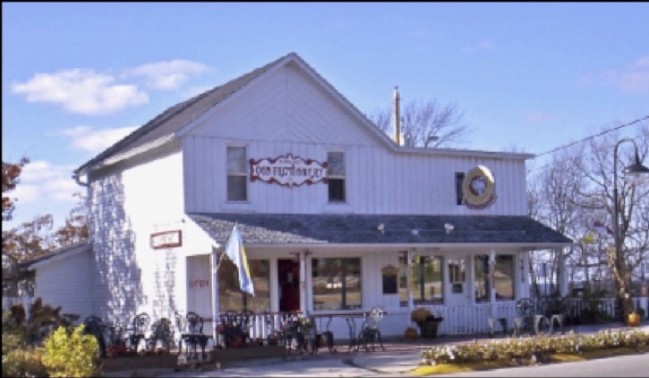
x=336, y=176
x=237, y=174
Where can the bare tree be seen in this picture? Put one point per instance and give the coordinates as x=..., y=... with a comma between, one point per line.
x=576, y=196
x=551, y=200
x=632, y=226
x=425, y=124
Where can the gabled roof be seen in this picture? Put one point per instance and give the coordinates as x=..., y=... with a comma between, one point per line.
x=174, y=119
x=58, y=254
x=335, y=229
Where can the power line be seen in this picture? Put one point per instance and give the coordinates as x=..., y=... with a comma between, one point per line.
x=595, y=136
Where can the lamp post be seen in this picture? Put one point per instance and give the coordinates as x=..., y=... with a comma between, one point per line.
x=636, y=171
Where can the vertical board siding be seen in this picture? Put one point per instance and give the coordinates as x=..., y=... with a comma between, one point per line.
x=378, y=181
x=288, y=113
x=72, y=295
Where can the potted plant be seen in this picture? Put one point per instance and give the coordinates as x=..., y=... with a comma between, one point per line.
x=426, y=321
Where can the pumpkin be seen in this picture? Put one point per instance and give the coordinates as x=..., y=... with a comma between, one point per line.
x=410, y=334
x=633, y=319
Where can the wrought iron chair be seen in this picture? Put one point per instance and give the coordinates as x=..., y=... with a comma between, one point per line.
x=193, y=335
x=94, y=325
x=529, y=317
x=235, y=327
x=559, y=312
x=291, y=335
x=161, y=331
x=137, y=332
x=370, y=332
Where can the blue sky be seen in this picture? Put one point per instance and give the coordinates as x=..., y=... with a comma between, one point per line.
x=526, y=76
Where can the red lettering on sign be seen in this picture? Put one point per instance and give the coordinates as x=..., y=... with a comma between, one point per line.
x=193, y=284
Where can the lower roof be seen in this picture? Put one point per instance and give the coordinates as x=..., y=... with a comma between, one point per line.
x=334, y=229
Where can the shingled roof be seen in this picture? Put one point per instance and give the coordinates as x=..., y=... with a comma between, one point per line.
x=323, y=229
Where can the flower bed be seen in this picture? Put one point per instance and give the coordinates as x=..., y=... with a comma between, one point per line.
x=516, y=351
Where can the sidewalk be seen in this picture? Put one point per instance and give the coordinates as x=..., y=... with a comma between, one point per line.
x=398, y=360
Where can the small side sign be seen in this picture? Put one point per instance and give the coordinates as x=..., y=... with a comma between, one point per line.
x=166, y=239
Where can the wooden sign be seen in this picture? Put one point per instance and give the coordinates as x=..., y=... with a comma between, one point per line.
x=288, y=170
x=166, y=239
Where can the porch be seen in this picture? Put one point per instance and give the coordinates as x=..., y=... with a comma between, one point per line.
x=458, y=319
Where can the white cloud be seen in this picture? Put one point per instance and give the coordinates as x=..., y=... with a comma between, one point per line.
x=85, y=138
x=167, y=75
x=81, y=91
x=43, y=182
x=44, y=188
x=87, y=92
x=634, y=78
x=483, y=45
x=538, y=117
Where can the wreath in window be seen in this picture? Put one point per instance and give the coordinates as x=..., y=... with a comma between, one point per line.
x=478, y=188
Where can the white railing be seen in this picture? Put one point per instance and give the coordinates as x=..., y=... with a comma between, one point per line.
x=471, y=319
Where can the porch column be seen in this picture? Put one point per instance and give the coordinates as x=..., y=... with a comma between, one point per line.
x=303, y=297
x=214, y=264
x=562, y=282
x=492, y=284
x=523, y=288
x=409, y=257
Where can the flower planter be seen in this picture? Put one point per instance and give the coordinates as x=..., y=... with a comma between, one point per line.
x=428, y=328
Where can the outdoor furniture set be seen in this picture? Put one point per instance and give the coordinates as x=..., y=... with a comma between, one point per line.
x=157, y=337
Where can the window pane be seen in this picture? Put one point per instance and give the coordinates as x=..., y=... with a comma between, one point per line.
x=482, y=288
x=504, y=277
x=403, y=281
x=336, y=163
x=237, y=190
x=459, y=196
x=336, y=190
x=232, y=298
x=427, y=279
x=336, y=283
x=237, y=160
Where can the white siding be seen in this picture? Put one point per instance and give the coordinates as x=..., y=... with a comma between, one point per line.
x=65, y=283
x=378, y=181
x=128, y=203
x=288, y=113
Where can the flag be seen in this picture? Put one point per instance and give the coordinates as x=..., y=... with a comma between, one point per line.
x=237, y=254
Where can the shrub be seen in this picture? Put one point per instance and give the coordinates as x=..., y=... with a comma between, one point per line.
x=530, y=351
x=23, y=362
x=71, y=353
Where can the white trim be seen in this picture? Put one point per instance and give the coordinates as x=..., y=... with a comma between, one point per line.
x=401, y=246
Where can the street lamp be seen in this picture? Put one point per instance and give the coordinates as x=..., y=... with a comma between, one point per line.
x=636, y=172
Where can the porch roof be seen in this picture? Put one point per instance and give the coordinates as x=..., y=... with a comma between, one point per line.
x=328, y=229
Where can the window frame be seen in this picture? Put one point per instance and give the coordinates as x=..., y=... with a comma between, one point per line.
x=343, y=295
x=482, y=278
x=336, y=178
x=418, y=275
x=230, y=174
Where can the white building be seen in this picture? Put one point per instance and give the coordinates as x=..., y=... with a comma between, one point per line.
x=331, y=211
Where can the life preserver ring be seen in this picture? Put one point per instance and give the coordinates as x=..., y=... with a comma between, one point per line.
x=478, y=188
